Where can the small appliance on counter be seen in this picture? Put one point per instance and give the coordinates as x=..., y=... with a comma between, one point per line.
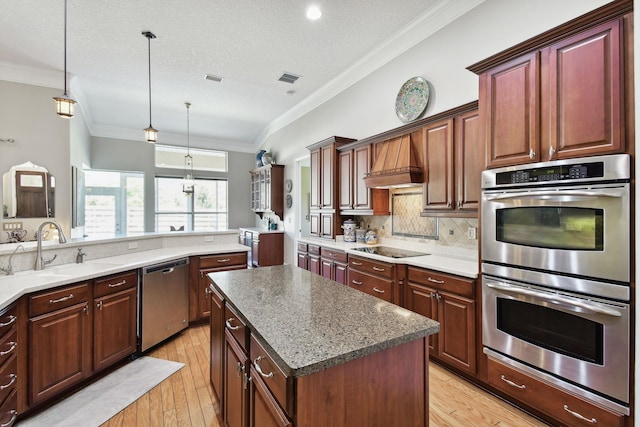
x=349, y=227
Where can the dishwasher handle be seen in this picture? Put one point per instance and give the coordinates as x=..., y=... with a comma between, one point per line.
x=166, y=267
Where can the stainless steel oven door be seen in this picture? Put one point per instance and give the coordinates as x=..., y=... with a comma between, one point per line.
x=582, y=340
x=577, y=230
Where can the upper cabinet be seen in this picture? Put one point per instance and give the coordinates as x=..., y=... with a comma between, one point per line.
x=355, y=197
x=267, y=190
x=561, y=94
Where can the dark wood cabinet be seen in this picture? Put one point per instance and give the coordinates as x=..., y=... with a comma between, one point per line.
x=355, y=197
x=438, y=168
x=264, y=410
x=542, y=105
x=60, y=331
x=267, y=190
x=373, y=277
x=333, y=265
x=449, y=300
x=10, y=352
x=267, y=249
x=303, y=256
x=114, y=329
x=217, y=347
x=313, y=259
x=469, y=161
x=236, y=396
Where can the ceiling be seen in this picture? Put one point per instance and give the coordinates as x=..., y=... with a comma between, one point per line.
x=248, y=43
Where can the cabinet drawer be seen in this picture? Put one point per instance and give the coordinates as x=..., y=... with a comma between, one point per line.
x=222, y=260
x=236, y=327
x=9, y=409
x=116, y=283
x=560, y=405
x=313, y=249
x=8, y=377
x=440, y=281
x=8, y=346
x=381, y=269
x=275, y=380
x=302, y=247
x=333, y=255
x=8, y=320
x=58, y=298
x=375, y=286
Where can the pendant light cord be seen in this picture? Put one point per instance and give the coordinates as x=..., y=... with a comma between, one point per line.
x=149, y=44
x=188, y=144
x=65, y=48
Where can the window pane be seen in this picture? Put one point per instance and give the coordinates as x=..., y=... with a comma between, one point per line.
x=100, y=215
x=171, y=222
x=210, y=222
x=205, y=160
x=135, y=204
x=169, y=196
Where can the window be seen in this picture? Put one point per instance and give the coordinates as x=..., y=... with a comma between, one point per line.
x=204, y=160
x=206, y=210
x=113, y=203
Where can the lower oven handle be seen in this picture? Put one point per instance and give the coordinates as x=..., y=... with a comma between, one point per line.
x=553, y=194
x=557, y=299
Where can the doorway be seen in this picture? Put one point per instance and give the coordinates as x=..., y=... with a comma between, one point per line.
x=303, y=172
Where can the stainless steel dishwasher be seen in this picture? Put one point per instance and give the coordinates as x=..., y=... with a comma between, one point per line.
x=164, y=302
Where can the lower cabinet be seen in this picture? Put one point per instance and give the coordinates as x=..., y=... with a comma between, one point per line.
x=264, y=410
x=267, y=249
x=449, y=300
x=8, y=366
x=313, y=260
x=235, y=397
x=217, y=347
x=333, y=265
x=372, y=277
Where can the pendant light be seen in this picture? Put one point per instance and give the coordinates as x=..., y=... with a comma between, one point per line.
x=150, y=134
x=188, y=182
x=64, y=104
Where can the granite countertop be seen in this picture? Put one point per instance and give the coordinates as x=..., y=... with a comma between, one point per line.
x=25, y=282
x=308, y=323
x=259, y=230
x=460, y=262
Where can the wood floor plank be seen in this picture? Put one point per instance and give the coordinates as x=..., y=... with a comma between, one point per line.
x=143, y=411
x=129, y=415
x=155, y=406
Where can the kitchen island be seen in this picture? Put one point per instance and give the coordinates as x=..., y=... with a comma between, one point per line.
x=313, y=352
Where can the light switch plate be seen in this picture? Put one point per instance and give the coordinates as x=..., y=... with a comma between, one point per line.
x=11, y=225
x=472, y=233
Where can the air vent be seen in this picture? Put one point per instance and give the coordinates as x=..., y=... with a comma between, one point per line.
x=212, y=77
x=288, y=78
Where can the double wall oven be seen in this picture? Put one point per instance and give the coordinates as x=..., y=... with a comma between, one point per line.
x=556, y=274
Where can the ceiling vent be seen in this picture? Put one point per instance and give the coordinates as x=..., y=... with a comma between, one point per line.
x=288, y=78
x=213, y=78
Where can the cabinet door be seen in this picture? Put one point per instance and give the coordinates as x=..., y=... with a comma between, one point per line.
x=510, y=108
x=328, y=176
x=314, y=224
x=457, y=342
x=438, y=156
x=340, y=272
x=585, y=108
x=361, y=166
x=345, y=164
x=59, y=351
x=217, y=347
x=235, y=397
x=326, y=225
x=264, y=409
x=316, y=181
x=114, y=328
x=422, y=300
x=314, y=264
x=326, y=268
x=302, y=260
x=469, y=161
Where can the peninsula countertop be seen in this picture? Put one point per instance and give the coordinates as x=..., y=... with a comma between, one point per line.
x=308, y=323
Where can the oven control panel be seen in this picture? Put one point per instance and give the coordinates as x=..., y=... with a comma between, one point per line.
x=551, y=173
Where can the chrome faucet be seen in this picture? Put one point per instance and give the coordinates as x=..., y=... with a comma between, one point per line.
x=40, y=261
x=9, y=269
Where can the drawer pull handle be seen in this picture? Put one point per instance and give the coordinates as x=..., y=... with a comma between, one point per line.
x=512, y=384
x=14, y=416
x=63, y=299
x=12, y=319
x=259, y=369
x=120, y=283
x=356, y=263
x=378, y=269
x=580, y=417
x=239, y=369
x=13, y=345
x=355, y=282
x=380, y=291
x=224, y=260
x=12, y=381
x=435, y=281
x=229, y=326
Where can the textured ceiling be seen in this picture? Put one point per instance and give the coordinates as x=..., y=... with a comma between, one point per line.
x=249, y=43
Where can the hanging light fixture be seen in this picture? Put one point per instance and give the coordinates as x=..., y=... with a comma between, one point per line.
x=150, y=134
x=188, y=182
x=64, y=104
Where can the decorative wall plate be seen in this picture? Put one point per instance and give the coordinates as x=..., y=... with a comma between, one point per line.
x=288, y=200
x=288, y=185
x=412, y=99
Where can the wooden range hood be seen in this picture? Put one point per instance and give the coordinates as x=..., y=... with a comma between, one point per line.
x=395, y=166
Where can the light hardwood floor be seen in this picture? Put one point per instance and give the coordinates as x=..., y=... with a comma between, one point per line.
x=186, y=398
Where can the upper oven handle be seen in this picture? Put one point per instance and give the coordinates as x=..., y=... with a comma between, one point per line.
x=554, y=194
x=567, y=302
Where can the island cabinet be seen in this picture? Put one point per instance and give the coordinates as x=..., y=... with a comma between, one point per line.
x=333, y=265
x=267, y=190
x=267, y=248
x=199, y=267
x=300, y=369
x=449, y=300
x=373, y=277
x=324, y=216
x=9, y=374
x=355, y=198
x=60, y=340
x=537, y=103
x=217, y=347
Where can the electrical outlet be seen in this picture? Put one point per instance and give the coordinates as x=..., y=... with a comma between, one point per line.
x=133, y=245
x=208, y=238
x=472, y=233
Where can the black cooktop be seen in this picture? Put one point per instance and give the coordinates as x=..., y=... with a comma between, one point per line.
x=389, y=251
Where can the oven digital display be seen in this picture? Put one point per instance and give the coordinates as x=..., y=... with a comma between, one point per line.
x=552, y=173
x=551, y=227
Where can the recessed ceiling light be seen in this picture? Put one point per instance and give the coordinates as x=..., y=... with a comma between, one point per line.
x=314, y=12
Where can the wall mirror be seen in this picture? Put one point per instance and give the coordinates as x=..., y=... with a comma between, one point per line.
x=28, y=192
